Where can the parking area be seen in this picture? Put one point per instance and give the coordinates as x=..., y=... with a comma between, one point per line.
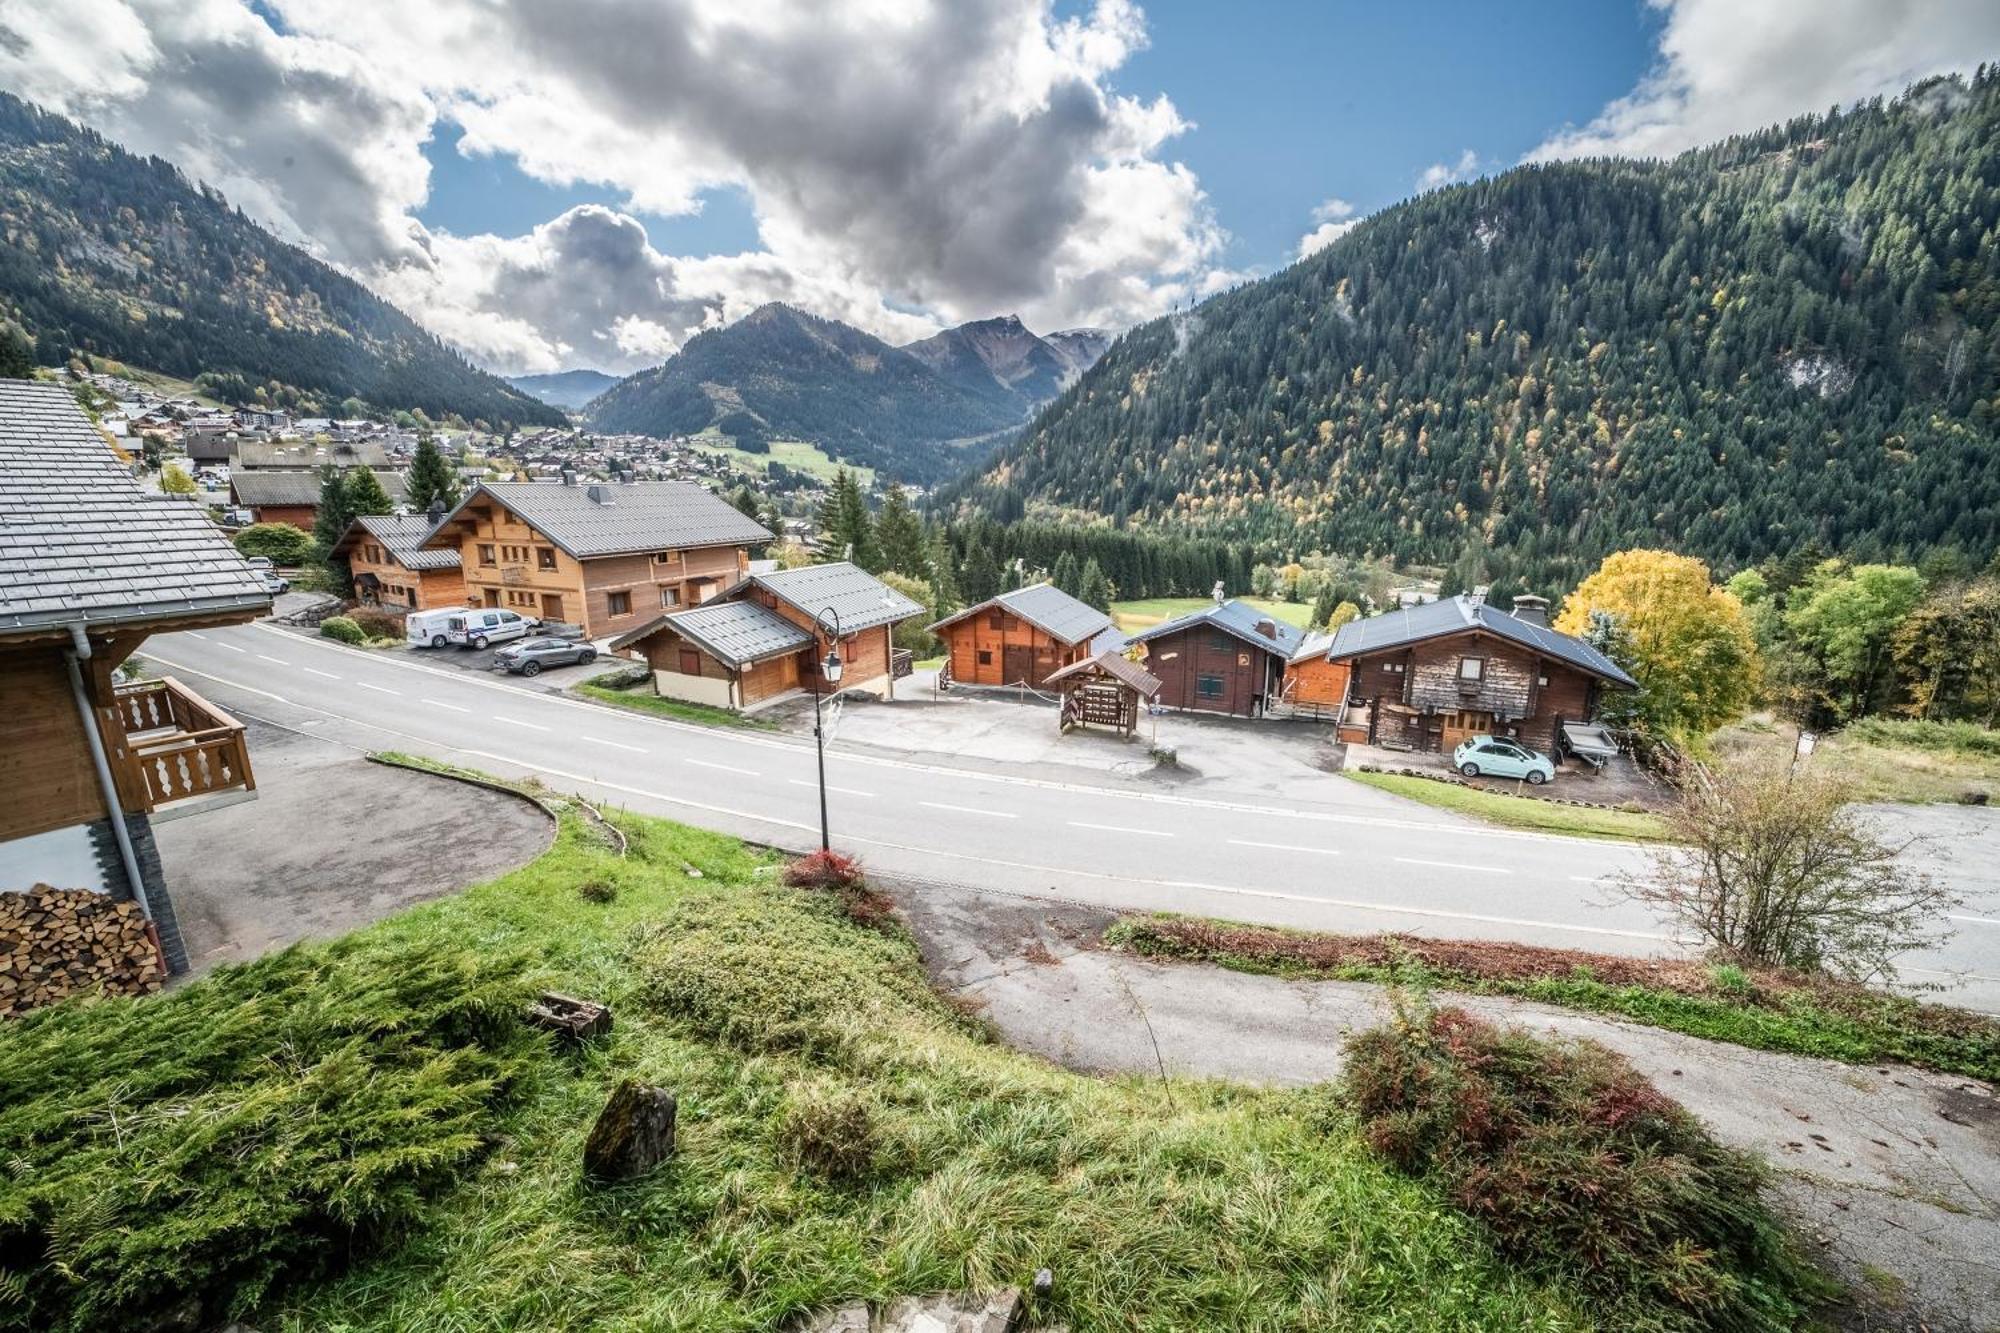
x=1621, y=782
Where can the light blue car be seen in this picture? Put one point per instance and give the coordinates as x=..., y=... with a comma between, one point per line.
x=1493, y=757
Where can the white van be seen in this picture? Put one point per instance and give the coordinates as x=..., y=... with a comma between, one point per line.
x=431, y=629
x=476, y=629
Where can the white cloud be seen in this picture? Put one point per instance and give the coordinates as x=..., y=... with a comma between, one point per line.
x=1335, y=218
x=952, y=158
x=1726, y=67
x=1447, y=173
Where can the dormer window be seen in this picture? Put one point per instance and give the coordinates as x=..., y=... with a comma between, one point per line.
x=1471, y=670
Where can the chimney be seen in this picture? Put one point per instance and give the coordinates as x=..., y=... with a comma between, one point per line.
x=1533, y=609
x=1268, y=628
x=569, y=476
x=436, y=512
x=600, y=495
x=1219, y=595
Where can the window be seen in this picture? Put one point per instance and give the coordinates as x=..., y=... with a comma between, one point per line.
x=665, y=557
x=1471, y=669
x=545, y=557
x=690, y=662
x=1220, y=642
x=1208, y=687
x=986, y=657
x=670, y=598
x=618, y=604
x=485, y=555
x=996, y=620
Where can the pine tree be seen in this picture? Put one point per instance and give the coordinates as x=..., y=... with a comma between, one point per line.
x=431, y=480
x=845, y=532
x=17, y=354
x=899, y=536
x=1093, y=589
x=1323, y=606
x=334, y=513
x=1067, y=576
x=365, y=495
x=980, y=576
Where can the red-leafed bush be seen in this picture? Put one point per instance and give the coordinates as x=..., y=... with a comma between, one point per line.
x=1578, y=1164
x=825, y=870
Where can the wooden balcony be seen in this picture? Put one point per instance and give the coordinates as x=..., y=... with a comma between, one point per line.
x=176, y=746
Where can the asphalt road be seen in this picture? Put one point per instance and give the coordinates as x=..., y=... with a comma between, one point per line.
x=1340, y=856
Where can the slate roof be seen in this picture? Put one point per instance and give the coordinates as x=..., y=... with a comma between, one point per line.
x=1116, y=665
x=1238, y=619
x=734, y=633
x=295, y=488
x=1456, y=615
x=1046, y=607
x=81, y=540
x=1315, y=644
x=858, y=598
x=629, y=517
x=294, y=456
x=402, y=536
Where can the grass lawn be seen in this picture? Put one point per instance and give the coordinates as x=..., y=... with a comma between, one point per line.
x=1520, y=812
x=799, y=455
x=1766, y=1010
x=641, y=699
x=1886, y=759
x=1133, y=616
x=362, y=1135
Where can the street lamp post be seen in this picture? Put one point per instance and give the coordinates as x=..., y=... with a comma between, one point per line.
x=829, y=669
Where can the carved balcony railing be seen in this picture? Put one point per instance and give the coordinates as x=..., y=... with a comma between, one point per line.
x=176, y=745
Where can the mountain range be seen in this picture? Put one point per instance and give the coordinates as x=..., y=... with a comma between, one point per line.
x=918, y=412
x=570, y=389
x=122, y=256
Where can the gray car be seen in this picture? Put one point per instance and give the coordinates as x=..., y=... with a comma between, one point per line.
x=529, y=656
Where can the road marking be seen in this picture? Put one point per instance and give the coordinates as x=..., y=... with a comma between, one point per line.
x=616, y=745
x=230, y=646
x=439, y=703
x=726, y=768
x=317, y=672
x=279, y=660
x=1283, y=847
x=844, y=791
x=1453, y=865
x=1119, y=828
x=1978, y=920
x=379, y=689
x=1588, y=879
x=970, y=810
x=192, y=635
x=517, y=722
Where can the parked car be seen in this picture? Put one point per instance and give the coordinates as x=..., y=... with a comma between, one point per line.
x=274, y=583
x=261, y=563
x=1494, y=757
x=528, y=657
x=432, y=629
x=476, y=629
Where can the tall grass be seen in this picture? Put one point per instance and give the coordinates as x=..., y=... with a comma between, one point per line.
x=1916, y=734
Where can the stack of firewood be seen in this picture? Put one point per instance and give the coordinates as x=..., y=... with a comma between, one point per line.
x=55, y=943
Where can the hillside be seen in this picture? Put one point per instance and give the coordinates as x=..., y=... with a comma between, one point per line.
x=122, y=256
x=564, y=388
x=779, y=373
x=1785, y=337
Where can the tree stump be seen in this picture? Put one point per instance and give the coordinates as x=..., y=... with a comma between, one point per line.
x=634, y=1133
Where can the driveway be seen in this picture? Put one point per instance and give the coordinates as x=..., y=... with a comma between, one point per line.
x=331, y=843
x=1890, y=1169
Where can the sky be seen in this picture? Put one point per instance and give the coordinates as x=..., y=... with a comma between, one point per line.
x=592, y=182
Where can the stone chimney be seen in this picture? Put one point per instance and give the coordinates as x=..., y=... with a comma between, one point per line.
x=1533, y=609
x=436, y=512
x=1219, y=595
x=569, y=476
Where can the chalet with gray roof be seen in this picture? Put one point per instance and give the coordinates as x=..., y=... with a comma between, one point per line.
x=1022, y=637
x=1229, y=657
x=609, y=557
x=91, y=565
x=1425, y=677
x=767, y=636
x=392, y=567
x=292, y=497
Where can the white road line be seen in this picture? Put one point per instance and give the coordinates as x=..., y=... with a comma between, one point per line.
x=193, y=635
x=1453, y=865
x=726, y=768
x=517, y=722
x=1588, y=879
x=317, y=672
x=1119, y=828
x=379, y=689
x=1283, y=847
x=844, y=791
x=439, y=703
x=1978, y=920
x=616, y=745
x=230, y=646
x=970, y=810
x=279, y=660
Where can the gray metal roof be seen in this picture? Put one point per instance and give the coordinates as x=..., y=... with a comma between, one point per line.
x=858, y=598
x=294, y=456
x=402, y=536
x=1046, y=607
x=1235, y=618
x=735, y=633
x=1315, y=644
x=295, y=488
x=81, y=540
x=1457, y=615
x=611, y=518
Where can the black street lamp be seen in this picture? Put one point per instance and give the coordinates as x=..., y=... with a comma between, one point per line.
x=828, y=670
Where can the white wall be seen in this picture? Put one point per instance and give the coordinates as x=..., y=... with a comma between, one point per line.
x=64, y=858
x=711, y=690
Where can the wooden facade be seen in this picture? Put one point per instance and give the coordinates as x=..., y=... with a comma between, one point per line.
x=1206, y=669
x=1432, y=694
x=1315, y=685
x=382, y=580
x=299, y=516
x=997, y=647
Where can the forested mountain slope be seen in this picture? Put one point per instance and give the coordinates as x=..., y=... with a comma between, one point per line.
x=564, y=388
x=1787, y=336
x=122, y=256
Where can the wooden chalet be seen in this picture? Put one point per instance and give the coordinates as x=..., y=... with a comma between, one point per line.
x=392, y=567
x=279, y=496
x=1315, y=685
x=1226, y=658
x=1021, y=637
x=91, y=564
x=1108, y=690
x=608, y=557
x=1426, y=677
x=761, y=639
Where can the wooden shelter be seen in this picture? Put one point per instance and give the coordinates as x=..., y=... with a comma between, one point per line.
x=1019, y=637
x=1104, y=691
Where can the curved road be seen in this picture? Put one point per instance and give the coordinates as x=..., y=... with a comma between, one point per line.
x=1343, y=858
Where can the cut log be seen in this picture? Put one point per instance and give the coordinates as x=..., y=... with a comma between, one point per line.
x=634, y=1133
x=567, y=1016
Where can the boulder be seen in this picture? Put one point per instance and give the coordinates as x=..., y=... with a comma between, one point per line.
x=634, y=1133
x=952, y=1312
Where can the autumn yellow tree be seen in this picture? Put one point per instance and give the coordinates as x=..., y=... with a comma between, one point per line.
x=1685, y=640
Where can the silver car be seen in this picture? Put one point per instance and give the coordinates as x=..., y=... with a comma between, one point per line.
x=529, y=656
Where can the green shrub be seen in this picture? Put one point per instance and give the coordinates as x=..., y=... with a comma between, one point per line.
x=281, y=543
x=376, y=623
x=268, y=1122
x=1580, y=1167
x=343, y=628
x=1911, y=733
